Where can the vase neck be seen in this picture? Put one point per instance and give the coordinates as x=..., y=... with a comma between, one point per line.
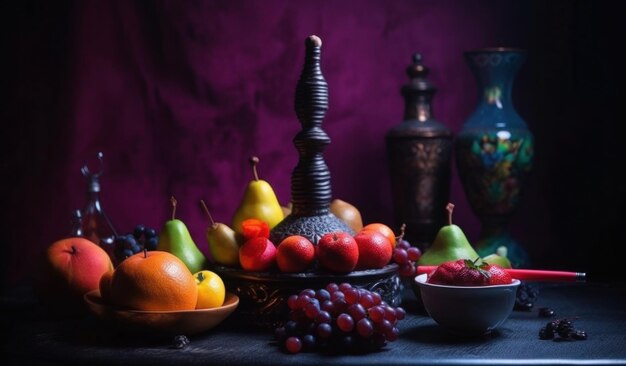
x=418, y=92
x=418, y=107
x=495, y=72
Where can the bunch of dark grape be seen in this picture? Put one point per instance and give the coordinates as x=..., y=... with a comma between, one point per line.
x=180, y=341
x=129, y=244
x=338, y=318
x=525, y=297
x=406, y=256
x=564, y=328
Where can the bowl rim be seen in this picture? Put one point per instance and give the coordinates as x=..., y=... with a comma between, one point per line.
x=231, y=301
x=420, y=280
x=271, y=277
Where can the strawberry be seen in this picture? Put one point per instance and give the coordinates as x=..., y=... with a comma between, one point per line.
x=253, y=228
x=461, y=272
x=498, y=276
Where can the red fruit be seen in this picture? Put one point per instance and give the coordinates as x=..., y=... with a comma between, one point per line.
x=446, y=272
x=69, y=268
x=383, y=229
x=472, y=277
x=257, y=254
x=337, y=252
x=295, y=254
x=460, y=272
x=375, y=250
x=498, y=275
x=254, y=227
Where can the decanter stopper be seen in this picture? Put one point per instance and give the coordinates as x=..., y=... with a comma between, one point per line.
x=419, y=153
x=418, y=92
x=311, y=191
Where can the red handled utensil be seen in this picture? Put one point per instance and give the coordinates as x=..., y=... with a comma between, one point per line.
x=530, y=274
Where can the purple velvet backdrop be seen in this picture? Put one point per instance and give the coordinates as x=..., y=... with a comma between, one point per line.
x=178, y=95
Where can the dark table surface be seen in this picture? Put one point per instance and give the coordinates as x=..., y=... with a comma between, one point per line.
x=31, y=336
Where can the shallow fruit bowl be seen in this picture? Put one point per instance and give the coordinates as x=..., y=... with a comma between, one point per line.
x=467, y=310
x=185, y=322
x=264, y=294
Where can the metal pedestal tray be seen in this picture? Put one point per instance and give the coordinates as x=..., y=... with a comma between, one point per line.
x=263, y=295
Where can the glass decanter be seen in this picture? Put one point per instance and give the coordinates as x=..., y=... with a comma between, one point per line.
x=94, y=223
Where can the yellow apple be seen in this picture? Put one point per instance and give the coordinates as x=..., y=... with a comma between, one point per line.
x=211, y=290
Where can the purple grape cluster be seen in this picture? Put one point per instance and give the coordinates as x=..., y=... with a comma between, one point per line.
x=141, y=238
x=406, y=256
x=340, y=318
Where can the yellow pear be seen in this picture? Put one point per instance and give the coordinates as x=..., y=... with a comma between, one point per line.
x=499, y=257
x=223, y=244
x=287, y=209
x=347, y=213
x=259, y=202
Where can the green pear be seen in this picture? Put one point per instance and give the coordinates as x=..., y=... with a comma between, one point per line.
x=175, y=238
x=222, y=241
x=259, y=202
x=450, y=244
x=499, y=258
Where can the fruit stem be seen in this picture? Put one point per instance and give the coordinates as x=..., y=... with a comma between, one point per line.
x=450, y=208
x=174, y=202
x=206, y=210
x=200, y=276
x=254, y=161
x=145, y=252
x=402, y=229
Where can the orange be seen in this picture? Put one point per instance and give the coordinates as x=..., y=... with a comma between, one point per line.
x=295, y=254
x=383, y=229
x=156, y=281
x=105, y=286
x=211, y=291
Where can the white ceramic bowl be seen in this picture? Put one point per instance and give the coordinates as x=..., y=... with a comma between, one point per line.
x=467, y=310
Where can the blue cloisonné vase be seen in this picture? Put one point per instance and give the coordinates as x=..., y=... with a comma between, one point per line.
x=494, y=151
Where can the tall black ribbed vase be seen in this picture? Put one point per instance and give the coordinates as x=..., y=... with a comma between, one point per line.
x=311, y=191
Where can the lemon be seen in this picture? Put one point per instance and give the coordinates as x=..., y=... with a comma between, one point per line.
x=211, y=291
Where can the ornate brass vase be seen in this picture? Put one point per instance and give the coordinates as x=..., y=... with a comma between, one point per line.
x=419, y=153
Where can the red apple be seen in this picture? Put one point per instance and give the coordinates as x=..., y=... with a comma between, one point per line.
x=337, y=252
x=70, y=268
x=295, y=254
x=257, y=254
